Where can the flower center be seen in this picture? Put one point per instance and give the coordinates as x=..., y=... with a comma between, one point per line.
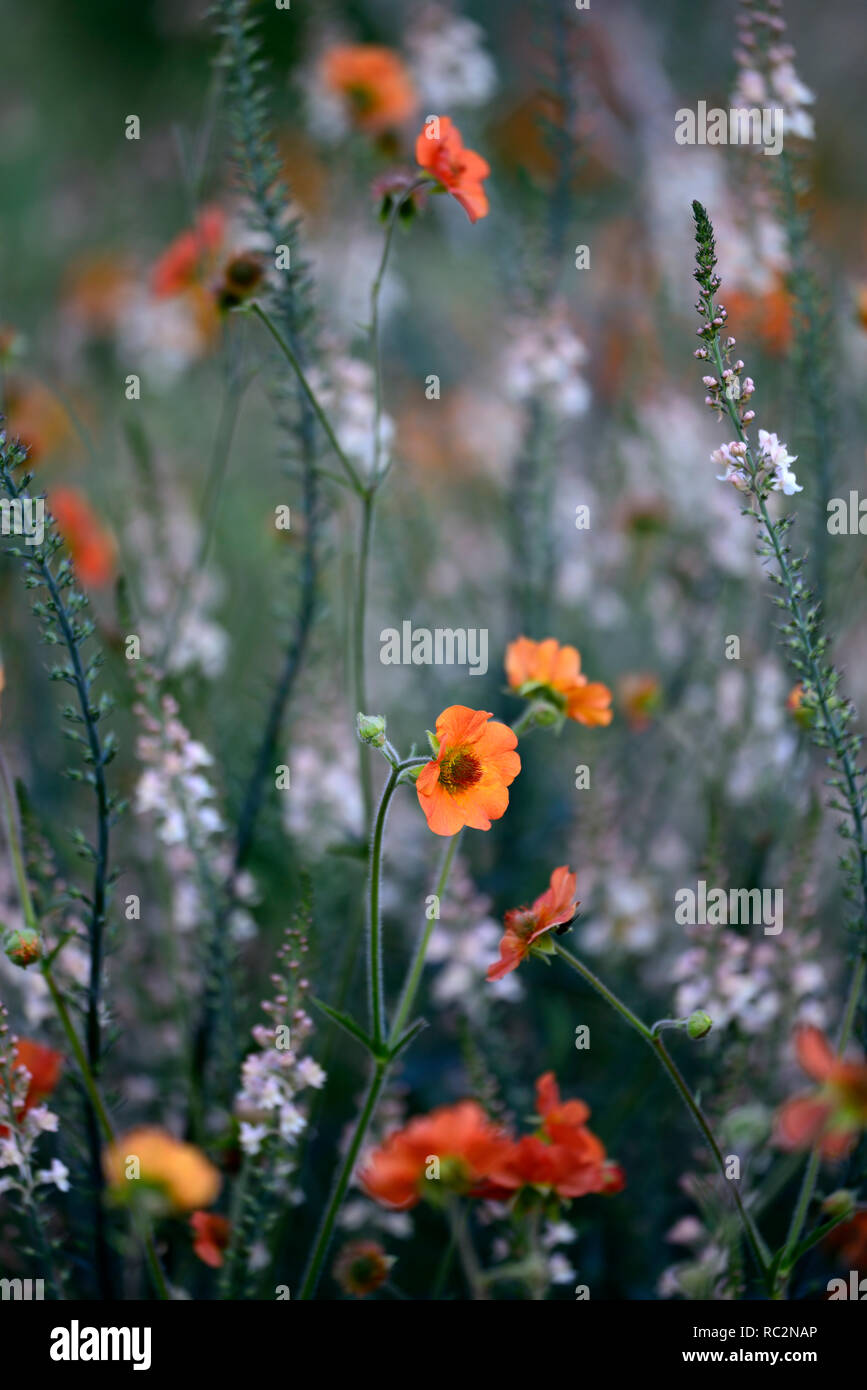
x=460, y=769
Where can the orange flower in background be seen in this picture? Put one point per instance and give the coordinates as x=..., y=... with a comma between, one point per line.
x=43, y=1065
x=374, y=83
x=525, y=925
x=440, y=150
x=211, y=1234
x=460, y=1137
x=640, y=695
x=91, y=547
x=180, y=1173
x=184, y=263
x=833, y=1116
x=545, y=670
x=767, y=316
x=563, y=1156
x=35, y=417
x=467, y=783
x=362, y=1267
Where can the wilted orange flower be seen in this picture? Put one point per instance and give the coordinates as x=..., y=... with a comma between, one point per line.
x=833, y=1116
x=361, y=1267
x=467, y=783
x=374, y=83
x=460, y=1137
x=563, y=1156
x=525, y=925
x=184, y=1178
x=184, y=263
x=640, y=696
x=43, y=1066
x=91, y=547
x=211, y=1234
x=545, y=670
x=440, y=149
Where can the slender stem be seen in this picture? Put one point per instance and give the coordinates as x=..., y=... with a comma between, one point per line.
x=754, y=1239
x=467, y=1253
x=358, y=664
x=323, y=1239
x=374, y=925
x=414, y=974
x=292, y=359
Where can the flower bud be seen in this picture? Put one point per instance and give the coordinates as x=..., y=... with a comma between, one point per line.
x=699, y=1024
x=371, y=729
x=840, y=1203
x=22, y=945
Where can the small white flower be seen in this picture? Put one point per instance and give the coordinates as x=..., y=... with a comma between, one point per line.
x=310, y=1073
x=251, y=1137
x=58, y=1174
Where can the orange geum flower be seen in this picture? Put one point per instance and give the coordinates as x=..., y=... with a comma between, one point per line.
x=440, y=150
x=177, y=1174
x=832, y=1116
x=467, y=782
x=551, y=673
x=452, y=1150
x=525, y=925
x=190, y=256
x=42, y=1065
x=90, y=546
x=641, y=695
x=373, y=82
x=211, y=1237
x=563, y=1157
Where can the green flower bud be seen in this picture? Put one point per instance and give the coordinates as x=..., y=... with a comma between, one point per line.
x=840, y=1203
x=22, y=945
x=371, y=729
x=699, y=1024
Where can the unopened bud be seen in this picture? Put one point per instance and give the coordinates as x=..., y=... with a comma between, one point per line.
x=371, y=729
x=699, y=1024
x=22, y=945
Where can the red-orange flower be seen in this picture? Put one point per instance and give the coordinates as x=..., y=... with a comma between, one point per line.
x=563, y=1156
x=91, y=547
x=43, y=1067
x=440, y=149
x=462, y=1140
x=373, y=82
x=640, y=695
x=525, y=925
x=184, y=262
x=547, y=671
x=833, y=1116
x=467, y=783
x=211, y=1234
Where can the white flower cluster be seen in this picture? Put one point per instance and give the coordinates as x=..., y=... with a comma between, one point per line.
x=544, y=361
x=752, y=984
x=773, y=458
x=766, y=73
x=166, y=548
x=174, y=789
x=274, y=1075
x=464, y=942
x=450, y=65
x=21, y=1129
